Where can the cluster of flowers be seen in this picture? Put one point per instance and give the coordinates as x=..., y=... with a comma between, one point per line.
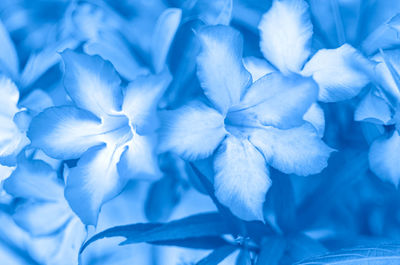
x=143, y=112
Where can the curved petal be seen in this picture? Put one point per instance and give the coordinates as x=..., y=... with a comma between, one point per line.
x=384, y=158
x=34, y=179
x=8, y=54
x=94, y=181
x=65, y=132
x=220, y=69
x=337, y=73
x=139, y=159
x=315, y=116
x=163, y=35
x=241, y=178
x=12, y=139
x=9, y=98
x=257, y=67
x=285, y=32
x=92, y=83
x=184, y=131
x=141, y=99
x=112, y=47
x=276, y=100
x=373, y=108
x=42, y=218
x=297, y=151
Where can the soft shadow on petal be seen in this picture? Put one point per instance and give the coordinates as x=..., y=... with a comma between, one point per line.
x=285, y=32
x=315, y=116
x=141, y=99
x=42, y=218
x=193, y=131
x=110, y=46
x=8, y=54
x=241, y=178
x=294, y=151
x=337, y=72
x=139, y=159
x=276, y=100
x=65, y=132
x=373, y=108
x=220, y=68
x=92, y=83
x=31, y=178
x=94, y=181
x=257, y=67
x=384, y=158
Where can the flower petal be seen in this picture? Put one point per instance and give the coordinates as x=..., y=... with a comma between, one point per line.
x=184, y=131
x=241, y=178
x=295, y=151
x=94, y=181
x=65, y=132
x=285, y=32
x=141, y=99
x=373, y=108
x=12, y=139
x=315, y=116
x=163, y=35
x=337, y=73
x=220, y=69
x=257, y=67
x=34, y=179
x=8, y=54
x=384, y=158
x=139, y=160
x=112, y=47
x=92, y=83
x=276, y=100
x=42, y=218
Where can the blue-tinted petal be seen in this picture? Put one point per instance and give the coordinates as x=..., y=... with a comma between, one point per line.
x=12, y=138
x=241, y=178
x=184, y=131
x=217, y=12
x=39, y=63
x=139, y=159
x=8, y=54
x=220, y=68
x=92, y=83
x=42, y=218
x=94, y=181
x=373, y=108
x=141, y=99
x=112, y=47
x=384, y=158
x=276, y=100
x=257, y=67
x=286, y=32
x=164, y=32
x=65, y=132
x=337, y=72
x=34, y=179
x=36, y=101
x=294, y=151
x=315, y=116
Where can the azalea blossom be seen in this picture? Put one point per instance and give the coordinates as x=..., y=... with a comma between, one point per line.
x=246, y=126
x=107, y=127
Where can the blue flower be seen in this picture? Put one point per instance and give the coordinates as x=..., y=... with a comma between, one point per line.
x=110, y=130
x=286, y=34
x=248, y=126
x=44, y=213
x=380, y=107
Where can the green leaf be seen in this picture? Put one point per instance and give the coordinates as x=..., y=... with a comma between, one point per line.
x=195, y=226
x=217, y=256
